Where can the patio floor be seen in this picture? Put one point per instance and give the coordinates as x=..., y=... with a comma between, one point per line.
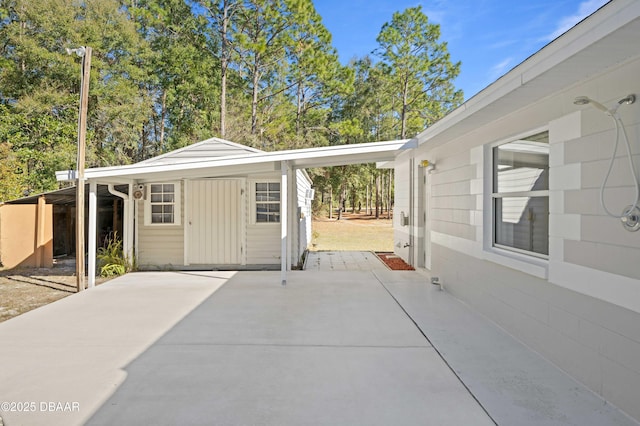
x=343, y=261
x=350, y=347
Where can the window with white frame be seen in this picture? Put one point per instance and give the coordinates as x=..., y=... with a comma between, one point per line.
x=267, y=202
x=520, y=195
x=162, y=206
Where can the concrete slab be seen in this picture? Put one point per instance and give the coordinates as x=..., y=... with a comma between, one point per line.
x=343, y=261
x=73, y=350
x=177, y=348
x=239, y=348
x=514, y=384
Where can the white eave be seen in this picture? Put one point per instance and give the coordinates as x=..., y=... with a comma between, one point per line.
x=249, y=163
x=604, y=39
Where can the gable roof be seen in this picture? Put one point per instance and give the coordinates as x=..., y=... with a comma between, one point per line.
x=210, y=148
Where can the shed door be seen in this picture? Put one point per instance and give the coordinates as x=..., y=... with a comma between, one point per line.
x=215, y=218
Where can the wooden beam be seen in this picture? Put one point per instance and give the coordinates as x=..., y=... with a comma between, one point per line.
x=82, y=130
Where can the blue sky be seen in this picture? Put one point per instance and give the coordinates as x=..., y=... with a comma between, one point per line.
x=489, y=37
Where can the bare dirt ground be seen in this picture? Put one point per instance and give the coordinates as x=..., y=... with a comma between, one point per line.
x=24, y=289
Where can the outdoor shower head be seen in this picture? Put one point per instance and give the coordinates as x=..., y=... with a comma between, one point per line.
x=628, y=100
x=584, y=100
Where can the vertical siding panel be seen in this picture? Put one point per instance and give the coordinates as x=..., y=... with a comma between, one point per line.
x=206, y=220
x=232, y=218
x=218, y=245
x=228, y=221
x=225, y=249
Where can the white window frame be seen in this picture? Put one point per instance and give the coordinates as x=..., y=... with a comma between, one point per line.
x=177, y=205
x=528, y=262
x=254, y=202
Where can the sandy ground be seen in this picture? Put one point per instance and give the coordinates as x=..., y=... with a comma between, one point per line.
x=24, y=289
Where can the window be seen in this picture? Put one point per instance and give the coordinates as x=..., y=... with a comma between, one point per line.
x=162, y=205
x=520, y=195
x=267, y=202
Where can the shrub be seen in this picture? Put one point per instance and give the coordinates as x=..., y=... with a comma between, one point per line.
x=112, y=261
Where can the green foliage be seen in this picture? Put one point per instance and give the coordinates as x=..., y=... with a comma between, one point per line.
x=420, y=70
x=111, y=259
x=112, y=270
x=168, y=73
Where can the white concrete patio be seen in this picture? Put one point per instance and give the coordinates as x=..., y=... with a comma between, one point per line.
x=330, y=348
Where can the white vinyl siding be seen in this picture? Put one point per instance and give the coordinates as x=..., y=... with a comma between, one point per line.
x=576, y=308
x=163, y=247
x=263, y=239
x=303, y=237
x=160, y=246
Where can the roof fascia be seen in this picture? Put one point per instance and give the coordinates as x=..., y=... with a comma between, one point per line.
x=275, y=156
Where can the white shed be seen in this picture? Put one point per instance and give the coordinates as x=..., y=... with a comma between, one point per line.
x=503, y=203
x=218, y=204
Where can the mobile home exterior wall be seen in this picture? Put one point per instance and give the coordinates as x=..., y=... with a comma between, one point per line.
x=579, y=306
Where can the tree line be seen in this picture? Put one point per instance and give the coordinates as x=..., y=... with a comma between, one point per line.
x=168, y=73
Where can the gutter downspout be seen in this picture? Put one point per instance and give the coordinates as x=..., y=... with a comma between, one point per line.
x=127, y=222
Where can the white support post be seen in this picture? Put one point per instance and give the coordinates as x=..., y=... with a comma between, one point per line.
x=93, y=213
x=136, y=230
x=127, y=225
x=293, y=208
x=130, y=217
x=284, y=223
x=132, y=223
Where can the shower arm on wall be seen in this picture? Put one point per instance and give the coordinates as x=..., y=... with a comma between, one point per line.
x=630, y=217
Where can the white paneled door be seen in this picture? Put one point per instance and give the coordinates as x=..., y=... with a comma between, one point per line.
x=215, y=219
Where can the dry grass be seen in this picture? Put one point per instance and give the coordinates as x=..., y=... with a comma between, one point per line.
x=353, y=232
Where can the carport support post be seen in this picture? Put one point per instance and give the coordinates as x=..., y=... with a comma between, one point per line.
x=93, y=212
x=284, y=225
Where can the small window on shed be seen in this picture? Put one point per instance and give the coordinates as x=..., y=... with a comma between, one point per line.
x=162, y=206
x=267, y=202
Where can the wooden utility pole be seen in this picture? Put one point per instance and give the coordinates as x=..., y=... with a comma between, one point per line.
x=82, y=132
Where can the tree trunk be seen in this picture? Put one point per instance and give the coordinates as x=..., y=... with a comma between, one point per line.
x=224, y=63
x=330, y=202
x=341, y=203
x=405, y=89
x=366, y=199
x=254, y=102
x=377, y=196
x=389, y=198
x=300, y=100
x=383, y=193
x=163, y=113
x=353, y=200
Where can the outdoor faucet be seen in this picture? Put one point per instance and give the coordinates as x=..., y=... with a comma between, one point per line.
x=406, y=245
